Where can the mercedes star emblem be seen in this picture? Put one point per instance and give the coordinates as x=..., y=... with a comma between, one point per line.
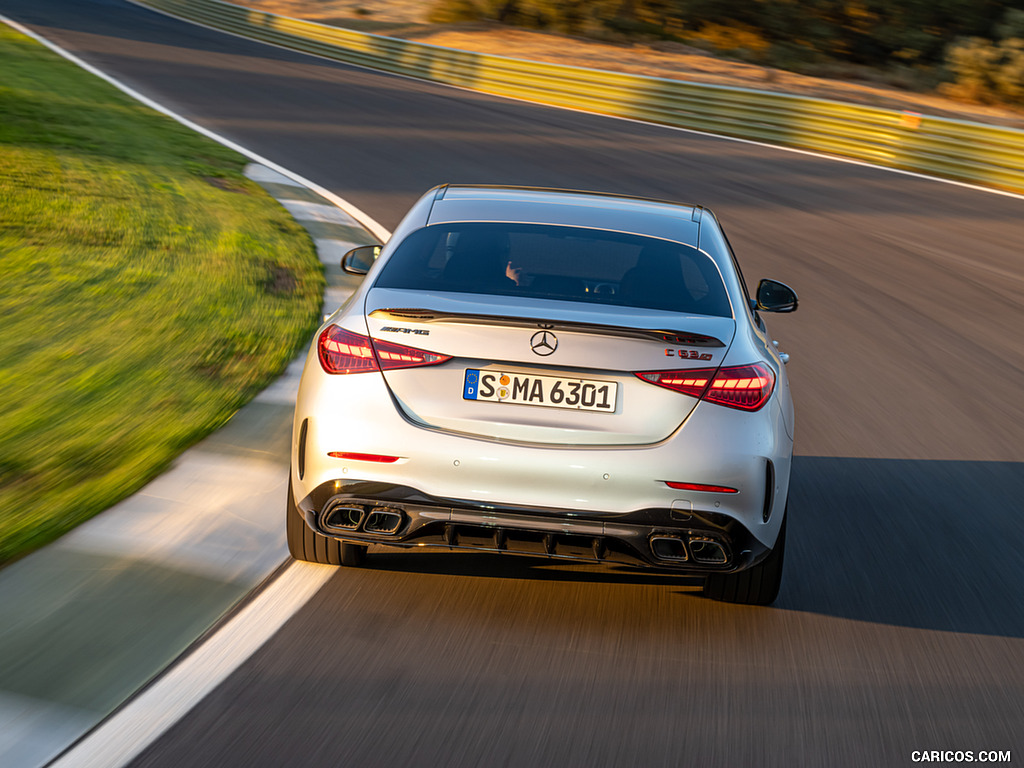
x=544, y=342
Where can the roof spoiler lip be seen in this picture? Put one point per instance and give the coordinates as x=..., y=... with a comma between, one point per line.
x=670, y=336
x=697, y=209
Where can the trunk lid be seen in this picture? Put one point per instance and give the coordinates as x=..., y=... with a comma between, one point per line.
x=577, y=388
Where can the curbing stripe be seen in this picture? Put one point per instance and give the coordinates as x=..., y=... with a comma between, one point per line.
x=289, y=191
x=124, y=736
x=318, y=212
x=350, y=235
x=264, y=175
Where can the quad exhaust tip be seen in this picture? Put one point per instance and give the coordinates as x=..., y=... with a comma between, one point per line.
x=383, y=520
x=699, y=549
x=354, y=517
x=708, y=552
x=669, y=548
x=344, y=517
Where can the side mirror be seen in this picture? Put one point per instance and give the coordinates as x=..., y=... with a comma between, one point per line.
x=359, y=260
x=773, y=296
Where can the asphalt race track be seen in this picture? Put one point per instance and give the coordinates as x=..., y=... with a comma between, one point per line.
x=900, y=626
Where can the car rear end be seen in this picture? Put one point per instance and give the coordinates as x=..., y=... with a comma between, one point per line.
x=558, y=393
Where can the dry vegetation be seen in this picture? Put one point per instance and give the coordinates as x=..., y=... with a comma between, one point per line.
x=657, y=58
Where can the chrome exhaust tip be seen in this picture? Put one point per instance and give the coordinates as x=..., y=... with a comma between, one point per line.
x=669, y=548
x=341, y=517
x=383, y=520
x=708, y=552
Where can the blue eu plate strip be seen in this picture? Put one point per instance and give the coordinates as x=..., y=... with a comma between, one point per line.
x=470, y=389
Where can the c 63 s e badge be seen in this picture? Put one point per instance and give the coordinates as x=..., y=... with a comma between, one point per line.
x=687, y=354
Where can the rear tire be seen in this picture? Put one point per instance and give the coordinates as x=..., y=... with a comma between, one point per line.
x=311, y=547
x=352, y=555
x=754, y=586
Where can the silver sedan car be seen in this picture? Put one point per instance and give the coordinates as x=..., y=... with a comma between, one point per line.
x=569, y=375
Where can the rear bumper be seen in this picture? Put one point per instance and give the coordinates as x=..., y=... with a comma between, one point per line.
x=716, y=445
x=372, y=512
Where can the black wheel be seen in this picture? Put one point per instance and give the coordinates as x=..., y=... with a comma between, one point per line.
x=754, y=586
x=309, y=546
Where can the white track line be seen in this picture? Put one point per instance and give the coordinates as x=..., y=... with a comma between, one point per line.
x=124, y=735
x=364, y=219
x=753, y=142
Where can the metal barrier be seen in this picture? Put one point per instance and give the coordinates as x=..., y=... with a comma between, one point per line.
x=973, y=152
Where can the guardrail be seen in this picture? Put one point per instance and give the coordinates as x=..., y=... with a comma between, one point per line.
x=958, y=149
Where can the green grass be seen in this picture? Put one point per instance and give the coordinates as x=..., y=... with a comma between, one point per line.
x=147, y=291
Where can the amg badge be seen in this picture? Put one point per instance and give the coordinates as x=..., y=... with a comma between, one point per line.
x=393, y=329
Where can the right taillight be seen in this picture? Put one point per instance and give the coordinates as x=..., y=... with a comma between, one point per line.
x=746, y=387
x=342, y=351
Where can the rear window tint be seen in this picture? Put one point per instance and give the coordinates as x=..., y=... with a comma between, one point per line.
x=552, y=262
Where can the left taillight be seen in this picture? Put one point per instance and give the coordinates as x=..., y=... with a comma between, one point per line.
x=746, y=387
x=342, y=351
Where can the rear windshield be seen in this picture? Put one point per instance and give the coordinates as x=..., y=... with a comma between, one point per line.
x=551, y=262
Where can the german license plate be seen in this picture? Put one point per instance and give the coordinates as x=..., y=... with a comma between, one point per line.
x=549, y=391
